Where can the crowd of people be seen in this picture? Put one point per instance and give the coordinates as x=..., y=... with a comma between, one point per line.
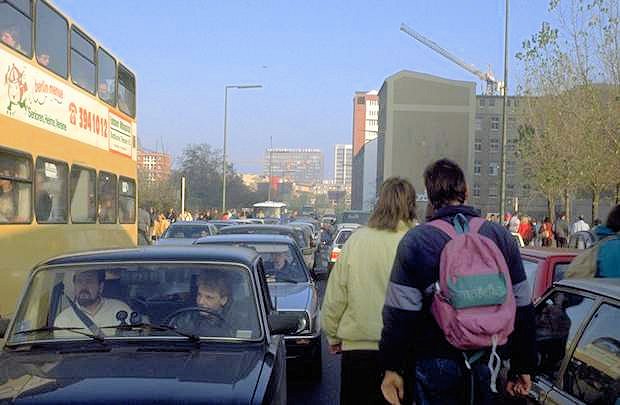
x=397, y=301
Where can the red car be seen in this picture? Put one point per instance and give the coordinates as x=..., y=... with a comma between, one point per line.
x=545, y=266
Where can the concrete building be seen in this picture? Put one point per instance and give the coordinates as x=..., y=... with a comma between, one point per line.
x=423, y=118
x=342, y=164
x=365, y=118
x=156, y=166
x=298, y=165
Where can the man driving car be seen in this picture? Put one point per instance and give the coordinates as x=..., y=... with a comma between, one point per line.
x=89, y=302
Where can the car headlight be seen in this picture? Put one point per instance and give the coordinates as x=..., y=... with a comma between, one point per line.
x=303, y=321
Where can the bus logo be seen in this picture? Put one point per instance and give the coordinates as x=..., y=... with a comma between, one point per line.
x=14, y=79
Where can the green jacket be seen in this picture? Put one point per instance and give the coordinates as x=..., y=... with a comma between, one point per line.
x=355, y=293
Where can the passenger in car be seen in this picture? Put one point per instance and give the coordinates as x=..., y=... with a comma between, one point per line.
x=89, y=301
x=213, y=298
x=282, y=268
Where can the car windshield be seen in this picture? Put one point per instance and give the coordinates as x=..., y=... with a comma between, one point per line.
x=138, y=301
x=178, y=231
x=280, y=262
x=356, y=217
x=297, y=235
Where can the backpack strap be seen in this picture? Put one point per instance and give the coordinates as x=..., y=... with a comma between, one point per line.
x=474, y=226
x=476, y=223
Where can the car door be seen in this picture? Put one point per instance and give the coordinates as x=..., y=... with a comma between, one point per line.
x=560, y=317
x=592, y=375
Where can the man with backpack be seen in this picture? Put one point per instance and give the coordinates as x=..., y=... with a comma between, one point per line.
x=457, y=294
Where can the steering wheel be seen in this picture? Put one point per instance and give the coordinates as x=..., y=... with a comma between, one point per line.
x=170, y=318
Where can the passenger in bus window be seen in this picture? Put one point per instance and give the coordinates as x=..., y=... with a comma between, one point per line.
x=43, y=59
x=7, y=199
x=106, y=211
x=43, y=201
x=10, y=37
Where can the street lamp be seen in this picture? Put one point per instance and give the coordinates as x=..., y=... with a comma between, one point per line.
x=244, y=86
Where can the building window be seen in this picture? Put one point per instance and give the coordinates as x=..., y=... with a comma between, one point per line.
x=493, y=168
x=15, y=188
x=51, y=192
x=494, y=145
x=526, y=190
x=83, y=195
x=510, y=190
x=495, y=124
x=478, y=124
x=510, y=167
x=477, y=168
x=16, y=23
x=508, y=103
x=51, y=39
x=491, y=102
x=360, y=100
x=478, y=145
x=492, y=191
x=476, y=190
x=482, y=102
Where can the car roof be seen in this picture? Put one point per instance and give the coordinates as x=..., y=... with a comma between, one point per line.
x=245, y=237
x=232, y=254
x=189, y=223
x=609, y=287
x=283, y=228
x=543, y=253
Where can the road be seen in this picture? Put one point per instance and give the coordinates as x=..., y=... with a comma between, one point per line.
x=326, y=391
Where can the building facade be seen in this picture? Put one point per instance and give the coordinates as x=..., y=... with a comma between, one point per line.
x=156, y=166
x=342, y=164
x=298, y=165
x=365, y=118
x=423, y=118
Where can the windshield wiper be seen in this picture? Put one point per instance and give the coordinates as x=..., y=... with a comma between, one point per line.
x=146, y=325
x=57, y=328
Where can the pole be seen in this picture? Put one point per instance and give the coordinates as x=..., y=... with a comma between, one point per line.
x=502, y=181
x=270, y=173
x=182, y=194
x=224, y=152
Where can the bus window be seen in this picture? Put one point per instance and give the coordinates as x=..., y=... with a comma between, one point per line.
x=127, y=201
x=51, y=192
x=51, y=39
x=16, y=25
x=106, y=78
x=82, y=61
x=15, y=188
x=126, y=91
x=83, y=195
x=107, y=198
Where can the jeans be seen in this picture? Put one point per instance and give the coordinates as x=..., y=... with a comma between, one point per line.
x=360, y=378
x=448, y=382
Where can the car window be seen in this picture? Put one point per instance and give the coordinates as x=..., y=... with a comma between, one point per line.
x=531, y=271
x=342, y=237
x=280, y=262
x=176, y=231
x=559, y=270
x=593, y=373
x=208, y=300
x=557, y=320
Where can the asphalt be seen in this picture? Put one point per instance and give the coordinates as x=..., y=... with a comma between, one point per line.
x=327, y=390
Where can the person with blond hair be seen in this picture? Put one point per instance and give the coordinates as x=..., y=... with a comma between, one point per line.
x=355, y=293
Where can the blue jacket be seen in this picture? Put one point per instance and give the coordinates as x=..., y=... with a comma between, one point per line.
x=409, y=329
x=608, y=260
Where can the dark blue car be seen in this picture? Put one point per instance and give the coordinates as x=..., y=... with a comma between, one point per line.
x=153, y=325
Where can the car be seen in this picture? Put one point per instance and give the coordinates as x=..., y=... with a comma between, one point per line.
x=578, y=343
x=222, y=223
x=156, y=339
x=544, y=266
x=294, y=293
x=582, y=240
x=341, y=237
x=355, y=216
x=298, y=233
x=185, y=233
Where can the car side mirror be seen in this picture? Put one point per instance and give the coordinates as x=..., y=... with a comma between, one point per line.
x=4, y=325
x=281, y=323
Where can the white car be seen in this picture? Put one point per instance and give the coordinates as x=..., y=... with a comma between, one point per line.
x=342, y=235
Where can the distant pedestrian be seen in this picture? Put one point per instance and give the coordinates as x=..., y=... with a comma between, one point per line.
x=526, y=231
x=602, y=259
x=536, y=230
x=580, y=225
x=172, y=215
x=561, y=231
x=351, y=312
x=546, y=232
x=411, y=335
x=144, y=227
x=513, y=225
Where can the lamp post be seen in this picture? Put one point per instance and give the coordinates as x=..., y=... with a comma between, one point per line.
x=244, y=86
x=502, y=179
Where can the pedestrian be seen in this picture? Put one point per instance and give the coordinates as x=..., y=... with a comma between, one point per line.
x=602, y=259
x=513, y=224
x=546, y=232
x=536, y=230
x=561, y=231
x=172, y=215
x=144, y=227
x=355, y=293
x=411, y=335
x=525, y=230
x=580, y=225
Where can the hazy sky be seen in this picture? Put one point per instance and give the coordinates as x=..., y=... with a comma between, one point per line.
x=310, y=56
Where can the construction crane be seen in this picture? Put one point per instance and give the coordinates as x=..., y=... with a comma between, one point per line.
x=492, y=85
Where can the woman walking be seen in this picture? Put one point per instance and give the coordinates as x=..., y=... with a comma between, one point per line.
x=355, y=294
x=546, y=232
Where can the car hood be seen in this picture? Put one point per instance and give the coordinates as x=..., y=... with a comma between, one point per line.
x=161, y=374
x=289, y=296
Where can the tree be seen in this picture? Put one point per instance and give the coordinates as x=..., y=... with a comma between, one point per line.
x=159, y=194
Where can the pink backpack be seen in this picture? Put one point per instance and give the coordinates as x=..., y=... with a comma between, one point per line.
x=473, y=303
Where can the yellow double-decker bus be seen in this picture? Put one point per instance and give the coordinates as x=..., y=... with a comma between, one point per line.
x=67, y=143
